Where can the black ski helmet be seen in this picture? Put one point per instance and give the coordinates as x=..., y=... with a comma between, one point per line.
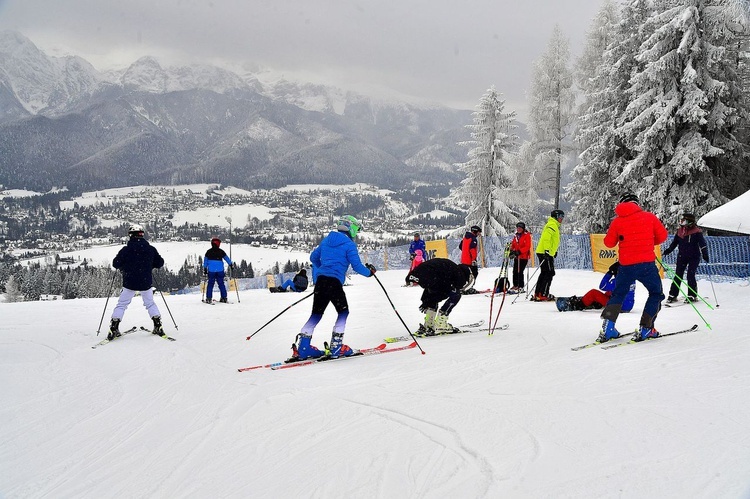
x=475, y=228
x=417, y=234
x=557, y=214
x=521, y=225
x=629, y=197
x=689, y=219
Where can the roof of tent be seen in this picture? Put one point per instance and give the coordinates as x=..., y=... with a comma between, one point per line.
x=733, y=216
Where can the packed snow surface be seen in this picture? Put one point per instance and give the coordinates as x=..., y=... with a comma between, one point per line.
x=514, y=415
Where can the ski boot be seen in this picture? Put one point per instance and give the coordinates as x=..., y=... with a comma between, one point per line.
x=114, y=329
x=690, y=299
x=158, y=329
x=302, y=349
x=424, y=331
x=645, y=333
x=442, y=326
x=608, y=331
x=337, y=348
x=671, y=299
x=223, y=299
x=428, y=328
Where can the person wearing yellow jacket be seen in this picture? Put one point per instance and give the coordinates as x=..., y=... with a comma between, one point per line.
x=546, y=251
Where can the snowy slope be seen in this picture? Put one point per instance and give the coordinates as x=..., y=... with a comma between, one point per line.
x=515, y=415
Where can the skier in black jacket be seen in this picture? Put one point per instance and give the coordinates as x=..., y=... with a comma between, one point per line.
x=136, y=261
x=441, y=279
x=691, y=246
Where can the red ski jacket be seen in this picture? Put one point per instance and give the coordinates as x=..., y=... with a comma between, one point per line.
x=636, y=232
x=522, y=244
x=468, y=247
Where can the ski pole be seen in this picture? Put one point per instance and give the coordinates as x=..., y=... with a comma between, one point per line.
x=501, y=281
x=204, y=286
x=236, y=287
x=277, y=315
x=111, y=285
x=397, y=314
x=673, y=276
x=708, y=266
x=169, y=311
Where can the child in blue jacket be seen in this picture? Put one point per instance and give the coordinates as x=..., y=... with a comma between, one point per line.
x=213, y=267
x=330, y=261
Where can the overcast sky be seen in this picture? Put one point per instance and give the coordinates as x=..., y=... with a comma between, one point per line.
x=444, y=51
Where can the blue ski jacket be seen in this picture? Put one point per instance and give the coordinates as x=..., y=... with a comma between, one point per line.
x=608, y=285
x=214, y=259
x=334, y=255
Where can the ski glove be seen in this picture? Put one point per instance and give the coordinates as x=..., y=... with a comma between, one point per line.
x=705, y=256
x=666, y=253
x=371, y=268
x=205, y=270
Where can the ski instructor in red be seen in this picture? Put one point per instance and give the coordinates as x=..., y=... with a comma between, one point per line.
x=635, y=232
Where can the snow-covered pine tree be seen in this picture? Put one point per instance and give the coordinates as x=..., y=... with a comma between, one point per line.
x=603, y=154
x=13, y=290
x=677, y=120
x=488, y=190
x=731, y=21
x=551, y=110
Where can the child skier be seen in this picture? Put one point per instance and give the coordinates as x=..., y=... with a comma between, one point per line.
x=213, y=267
x=520, y=251
x=598, y=298
x=442, y=279
x=298, y=284
x=136, y=261
x=330, y=262
x=691, y=245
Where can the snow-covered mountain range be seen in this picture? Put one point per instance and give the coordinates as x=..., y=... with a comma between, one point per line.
x=63, y=122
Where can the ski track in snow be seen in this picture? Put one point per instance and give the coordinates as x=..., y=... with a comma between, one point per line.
x=450, y=442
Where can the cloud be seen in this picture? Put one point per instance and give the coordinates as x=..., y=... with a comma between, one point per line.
x=446, y=52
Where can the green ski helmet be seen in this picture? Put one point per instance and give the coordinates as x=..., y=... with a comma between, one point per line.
x=350, y=225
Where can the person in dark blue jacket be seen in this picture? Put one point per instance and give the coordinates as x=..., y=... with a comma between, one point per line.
x=691, y=245
x=330, y=261
x=298, y=284
x=213, y=267
x=136, y=261
x=418, y=244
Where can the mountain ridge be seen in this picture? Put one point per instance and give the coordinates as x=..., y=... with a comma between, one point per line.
x=63, y=123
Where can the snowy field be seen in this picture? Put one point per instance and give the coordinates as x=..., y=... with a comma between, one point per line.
x=515, y=415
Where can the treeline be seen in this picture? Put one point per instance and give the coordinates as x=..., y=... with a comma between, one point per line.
x=29, y=283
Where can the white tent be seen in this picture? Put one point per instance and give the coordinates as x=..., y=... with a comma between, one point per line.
x=733, y=216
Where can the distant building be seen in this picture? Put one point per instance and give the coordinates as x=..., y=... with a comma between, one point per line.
x=50, y=297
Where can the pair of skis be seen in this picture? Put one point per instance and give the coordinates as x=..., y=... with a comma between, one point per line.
x=380, y=349
x=614, y=344
x=464, y=328
x=130, y=331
